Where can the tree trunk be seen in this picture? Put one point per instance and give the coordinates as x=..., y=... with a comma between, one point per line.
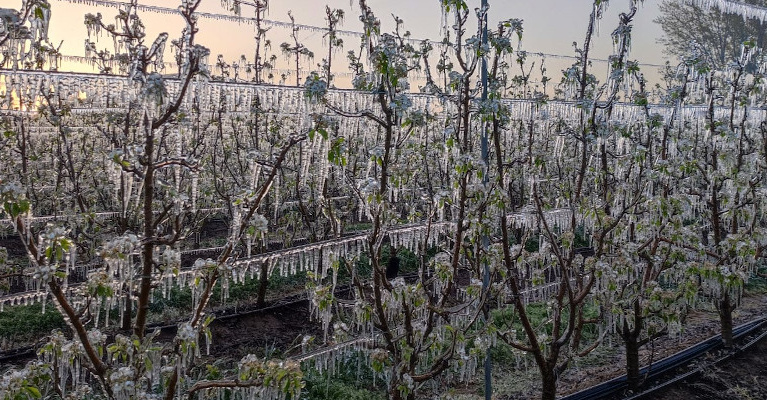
x=578, y=329
x=632, y=362
x=549, y=382
x=263, y=283
x=147, y=251
x=725, y=318
x=128, y=310
x=631, y=340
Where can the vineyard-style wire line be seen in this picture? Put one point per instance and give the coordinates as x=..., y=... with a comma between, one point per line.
x=105, y=94
x=114, y=64
x=288, y=261
x=305, y=27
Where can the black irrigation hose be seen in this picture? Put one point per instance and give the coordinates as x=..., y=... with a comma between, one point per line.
x=21, y=353
x=614, y=386
x=697, y=370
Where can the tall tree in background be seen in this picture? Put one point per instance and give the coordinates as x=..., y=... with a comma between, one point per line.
x=714, y=35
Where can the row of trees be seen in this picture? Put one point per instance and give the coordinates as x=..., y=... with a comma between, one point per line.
x=617, y=218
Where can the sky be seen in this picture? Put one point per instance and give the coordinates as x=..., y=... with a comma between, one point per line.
x=550, y=26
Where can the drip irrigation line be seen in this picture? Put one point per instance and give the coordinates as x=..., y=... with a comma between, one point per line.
x=219, y=17
x=33, y=295
x=603, y=390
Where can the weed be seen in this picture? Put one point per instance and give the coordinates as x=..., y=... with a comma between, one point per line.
x=24, y=324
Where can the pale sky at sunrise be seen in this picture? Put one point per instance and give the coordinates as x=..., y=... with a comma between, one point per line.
x=550, y=26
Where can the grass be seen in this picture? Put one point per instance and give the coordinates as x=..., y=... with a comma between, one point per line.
x=179, y=301
x=757, y=284
x=25, y=324
x=507, y=319
x=509, y=359
x=353, y=380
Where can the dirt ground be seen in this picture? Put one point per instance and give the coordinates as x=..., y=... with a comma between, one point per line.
x=277, y=330
x=280, y=329
x=740, y=378
x=743, y=377
x=700, y=325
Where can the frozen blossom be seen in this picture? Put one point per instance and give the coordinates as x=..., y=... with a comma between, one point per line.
x=401, y=103
x=369, y=186
x=205, y=265
x=315, y=88
x=168, y=258
x=260, y=223
x=12, y=191
x=123, y=384
x=154, y=90
x=120, y=247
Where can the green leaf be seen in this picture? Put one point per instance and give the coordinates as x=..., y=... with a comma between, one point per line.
x=33, y=391
x=104, y=291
